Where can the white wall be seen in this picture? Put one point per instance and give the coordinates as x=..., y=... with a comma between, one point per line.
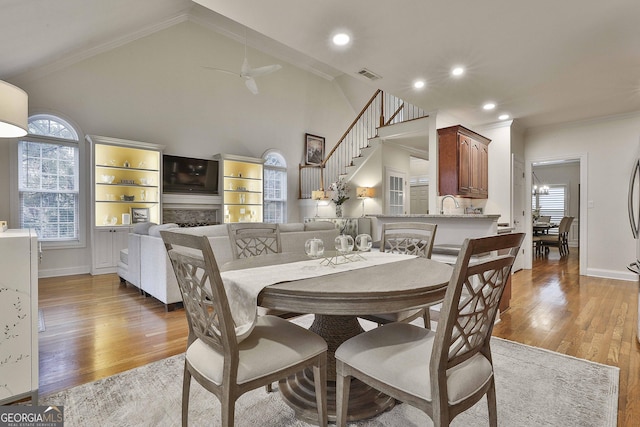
x=155, y=90
x=499, y=201
x=610, y=146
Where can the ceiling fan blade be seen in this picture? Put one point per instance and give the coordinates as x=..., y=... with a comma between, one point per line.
x=261, y=71
x=220, y=69
x=251, y=85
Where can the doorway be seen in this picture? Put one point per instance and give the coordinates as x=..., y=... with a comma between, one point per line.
x=566, y=179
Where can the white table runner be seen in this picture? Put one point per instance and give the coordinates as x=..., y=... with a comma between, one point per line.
x=243, y=286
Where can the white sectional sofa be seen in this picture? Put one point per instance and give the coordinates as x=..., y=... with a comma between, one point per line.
x=145, y=264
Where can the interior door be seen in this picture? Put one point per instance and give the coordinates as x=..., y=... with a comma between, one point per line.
x=518, y=205
x=396, y=185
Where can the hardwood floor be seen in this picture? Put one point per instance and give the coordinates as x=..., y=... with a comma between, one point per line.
x=96, y=327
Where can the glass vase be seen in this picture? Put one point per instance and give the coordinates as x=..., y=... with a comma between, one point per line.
x=339, y=211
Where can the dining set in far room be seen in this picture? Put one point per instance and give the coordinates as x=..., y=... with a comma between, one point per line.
x=335, y=371
x=548, y=234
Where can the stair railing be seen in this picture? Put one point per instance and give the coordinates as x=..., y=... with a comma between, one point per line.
x=356, y=137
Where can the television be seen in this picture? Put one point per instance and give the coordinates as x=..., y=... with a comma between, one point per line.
x=186, y=175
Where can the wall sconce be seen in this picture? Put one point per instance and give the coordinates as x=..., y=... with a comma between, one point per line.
x=318, y=196
x=13, y=111
x=365, y=193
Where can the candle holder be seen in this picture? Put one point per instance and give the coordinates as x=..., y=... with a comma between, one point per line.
x=344, y=243
x=364, y=242
x=314, y=248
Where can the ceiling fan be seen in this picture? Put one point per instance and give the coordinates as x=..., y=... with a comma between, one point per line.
x=248, y=74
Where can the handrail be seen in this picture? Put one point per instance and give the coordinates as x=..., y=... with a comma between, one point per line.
x=395, y=114
x=335, y=147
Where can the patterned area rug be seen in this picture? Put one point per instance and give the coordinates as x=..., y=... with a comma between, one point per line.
x=535, y=387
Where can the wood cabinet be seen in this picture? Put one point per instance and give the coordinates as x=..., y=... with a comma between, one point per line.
x=463, y=163
x=242, y=181
x=19, y=315
x=126, y=188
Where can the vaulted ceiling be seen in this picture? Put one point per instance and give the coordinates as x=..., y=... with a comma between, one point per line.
x=541, y=62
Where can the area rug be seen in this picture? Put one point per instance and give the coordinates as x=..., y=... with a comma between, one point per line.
x=535, y=387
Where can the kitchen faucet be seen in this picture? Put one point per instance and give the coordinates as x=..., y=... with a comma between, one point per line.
x=442, y=203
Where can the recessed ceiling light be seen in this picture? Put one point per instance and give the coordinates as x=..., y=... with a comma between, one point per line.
x=341, y=39
x=419, y=84
x=489, y=106
x=503, y=116
x=457, y=71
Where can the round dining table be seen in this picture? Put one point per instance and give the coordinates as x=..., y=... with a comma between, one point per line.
x=336, y=300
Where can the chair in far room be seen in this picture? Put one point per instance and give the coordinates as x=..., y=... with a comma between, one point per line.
x=560, y=241
x=225, y=362
x=410, y=238
x=446, y=372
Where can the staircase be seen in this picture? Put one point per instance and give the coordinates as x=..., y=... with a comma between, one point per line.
x=357, y=143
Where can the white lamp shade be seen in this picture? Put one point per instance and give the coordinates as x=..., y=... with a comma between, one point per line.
x=13, y=111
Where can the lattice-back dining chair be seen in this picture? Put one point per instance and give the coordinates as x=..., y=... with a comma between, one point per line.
x=254, y=238
x=411, y=238
x=274, y=349
x=561, y=241
x=445, y=372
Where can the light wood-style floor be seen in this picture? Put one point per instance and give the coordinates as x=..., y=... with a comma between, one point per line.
x=95, y=327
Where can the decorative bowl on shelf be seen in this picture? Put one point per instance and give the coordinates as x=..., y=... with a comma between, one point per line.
x=127, y=198
x=107, y=179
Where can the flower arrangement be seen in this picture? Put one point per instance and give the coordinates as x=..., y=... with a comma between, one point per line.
x=340, y=190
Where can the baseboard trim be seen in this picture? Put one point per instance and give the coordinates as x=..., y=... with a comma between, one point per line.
x=56, y=272
x=612, y=274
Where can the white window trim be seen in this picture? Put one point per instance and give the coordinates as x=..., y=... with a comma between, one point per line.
x=14, y=218
x=286, y=181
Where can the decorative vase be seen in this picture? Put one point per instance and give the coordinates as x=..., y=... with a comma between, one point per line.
x=339, y=211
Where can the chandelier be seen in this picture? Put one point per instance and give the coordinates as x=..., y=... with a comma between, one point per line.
x=537, y=187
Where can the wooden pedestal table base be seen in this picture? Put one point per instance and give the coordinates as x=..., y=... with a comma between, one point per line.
x=299, y=393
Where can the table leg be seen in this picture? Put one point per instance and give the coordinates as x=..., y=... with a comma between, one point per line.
x=298, y=391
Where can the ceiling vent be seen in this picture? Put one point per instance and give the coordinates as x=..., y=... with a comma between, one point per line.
x=368, y=74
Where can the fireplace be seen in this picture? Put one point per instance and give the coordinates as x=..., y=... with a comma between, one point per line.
x=191, y=211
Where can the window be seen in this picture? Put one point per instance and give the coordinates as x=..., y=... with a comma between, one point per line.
x=48, y=179
x=275, y=187
x=552, y=204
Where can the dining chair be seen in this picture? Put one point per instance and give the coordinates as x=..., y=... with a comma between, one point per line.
x=254, y=238
x=442, y=373
x=544, y=219
x=561, y=240
x=411, y=238
x=225, y=366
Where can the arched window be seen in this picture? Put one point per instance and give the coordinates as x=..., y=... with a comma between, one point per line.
x=275, y=187
x=49, y=179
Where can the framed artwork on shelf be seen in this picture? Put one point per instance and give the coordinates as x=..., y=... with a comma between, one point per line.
x=314, y=149
x=139, y=215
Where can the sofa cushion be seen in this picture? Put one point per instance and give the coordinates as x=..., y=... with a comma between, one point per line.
x=295, y=226
x=318, y=225
x=154, y=230
x=142, y=227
